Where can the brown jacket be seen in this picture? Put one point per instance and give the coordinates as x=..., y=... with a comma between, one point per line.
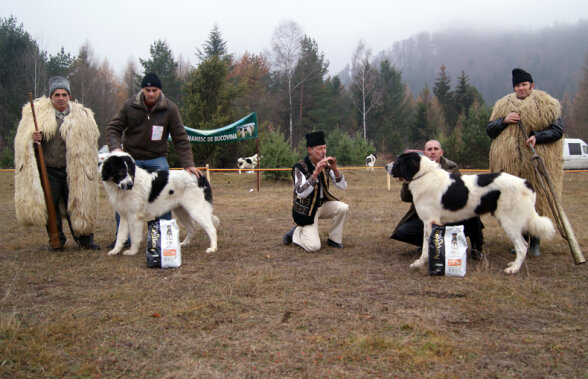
x=134, y=130
x=406, y=196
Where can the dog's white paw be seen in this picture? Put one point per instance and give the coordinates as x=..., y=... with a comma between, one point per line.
x=416, y=264
x=211, y=250
x=130, y=252
x=512, y=269
x=113, y=252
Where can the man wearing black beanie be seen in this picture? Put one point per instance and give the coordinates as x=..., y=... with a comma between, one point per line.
x=142, y=126
x=540, y=116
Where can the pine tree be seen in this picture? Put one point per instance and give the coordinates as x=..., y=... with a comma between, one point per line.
x=208, y=99
x=391, y=118
x=215, y=45
x=59, y=64
x=464, y=97
x=475, y=146
x=443, y=93
x=309, y=96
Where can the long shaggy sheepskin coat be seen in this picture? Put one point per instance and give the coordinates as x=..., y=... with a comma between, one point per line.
x=80, y=133
x=509, y=153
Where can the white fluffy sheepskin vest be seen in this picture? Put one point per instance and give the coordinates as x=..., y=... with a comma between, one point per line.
x=80, y=133
x=509, y=153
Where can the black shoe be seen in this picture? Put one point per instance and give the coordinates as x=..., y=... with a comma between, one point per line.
x=476, y=251
x=91, y=246
x=288, y=237
x=475, y=254
x=111, y=245
x=332, y=243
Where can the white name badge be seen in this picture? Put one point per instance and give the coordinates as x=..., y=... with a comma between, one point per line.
x=157, y=133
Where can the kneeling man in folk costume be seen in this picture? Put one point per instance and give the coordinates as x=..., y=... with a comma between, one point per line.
x=312, y=200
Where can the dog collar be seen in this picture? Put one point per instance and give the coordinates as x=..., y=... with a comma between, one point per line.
x=415, y=178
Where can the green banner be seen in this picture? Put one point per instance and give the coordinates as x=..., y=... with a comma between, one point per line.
x=244, y=129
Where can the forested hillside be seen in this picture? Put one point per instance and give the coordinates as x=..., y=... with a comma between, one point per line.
x=439, y=85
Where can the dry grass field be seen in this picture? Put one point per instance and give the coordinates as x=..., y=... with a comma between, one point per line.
x=257, y=308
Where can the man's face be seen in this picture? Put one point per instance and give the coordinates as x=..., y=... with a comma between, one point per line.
x=433, y=151
x=60, y=99
x=151, y=94
x=523, y=89
x=317, y=152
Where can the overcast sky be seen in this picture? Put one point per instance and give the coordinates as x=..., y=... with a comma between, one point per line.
x=119, y=30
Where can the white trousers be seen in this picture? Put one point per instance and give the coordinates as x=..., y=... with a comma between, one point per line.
x=307, y=236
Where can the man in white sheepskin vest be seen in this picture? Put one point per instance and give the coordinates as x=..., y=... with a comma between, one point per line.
x=540, y=116
x=68, y=135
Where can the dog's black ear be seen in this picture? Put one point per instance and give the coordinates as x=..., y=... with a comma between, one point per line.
x=408, y=165
x=106, y=169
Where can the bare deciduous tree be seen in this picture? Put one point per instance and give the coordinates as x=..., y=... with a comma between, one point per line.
x=131, y=79
x=286, y=49
x=364, y=89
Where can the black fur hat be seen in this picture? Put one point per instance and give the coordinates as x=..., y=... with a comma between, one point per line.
x=519, y=75
x=315, y=139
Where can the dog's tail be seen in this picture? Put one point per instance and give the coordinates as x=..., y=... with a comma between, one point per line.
x=215, y=221
x=540, y=227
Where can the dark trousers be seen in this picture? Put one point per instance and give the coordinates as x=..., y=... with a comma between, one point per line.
x=60, y=193
x=412, y=231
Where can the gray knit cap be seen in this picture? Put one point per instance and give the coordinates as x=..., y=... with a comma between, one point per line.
x=58, y=82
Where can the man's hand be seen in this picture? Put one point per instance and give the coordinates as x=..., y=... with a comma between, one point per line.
x=37, y=136
x=194, y=170
x=532, y=140
x=327, y=161
x=512, y=118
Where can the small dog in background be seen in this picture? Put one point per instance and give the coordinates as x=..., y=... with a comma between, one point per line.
x=370, y=161
x=247, y=163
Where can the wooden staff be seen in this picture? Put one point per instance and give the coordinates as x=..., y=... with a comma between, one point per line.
x=556, y=205
x=54, y=241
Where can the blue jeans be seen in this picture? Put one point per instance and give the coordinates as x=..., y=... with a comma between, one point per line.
x=150, y=165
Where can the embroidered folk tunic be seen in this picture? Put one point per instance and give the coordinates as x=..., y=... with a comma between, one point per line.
x=310, y=194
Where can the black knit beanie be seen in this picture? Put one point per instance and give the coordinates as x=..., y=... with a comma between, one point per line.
x=151, y=80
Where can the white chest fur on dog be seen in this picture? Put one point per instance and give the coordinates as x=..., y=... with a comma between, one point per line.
x=370, y=161
x=138, y=196
x=440, y=198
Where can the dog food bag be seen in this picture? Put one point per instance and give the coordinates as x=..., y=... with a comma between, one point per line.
x=447, y=251
x=163, y=244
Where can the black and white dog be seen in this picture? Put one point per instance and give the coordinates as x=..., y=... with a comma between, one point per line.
x=247, y=163
x=370, y=161
x=138, y=195
x=440, y=198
